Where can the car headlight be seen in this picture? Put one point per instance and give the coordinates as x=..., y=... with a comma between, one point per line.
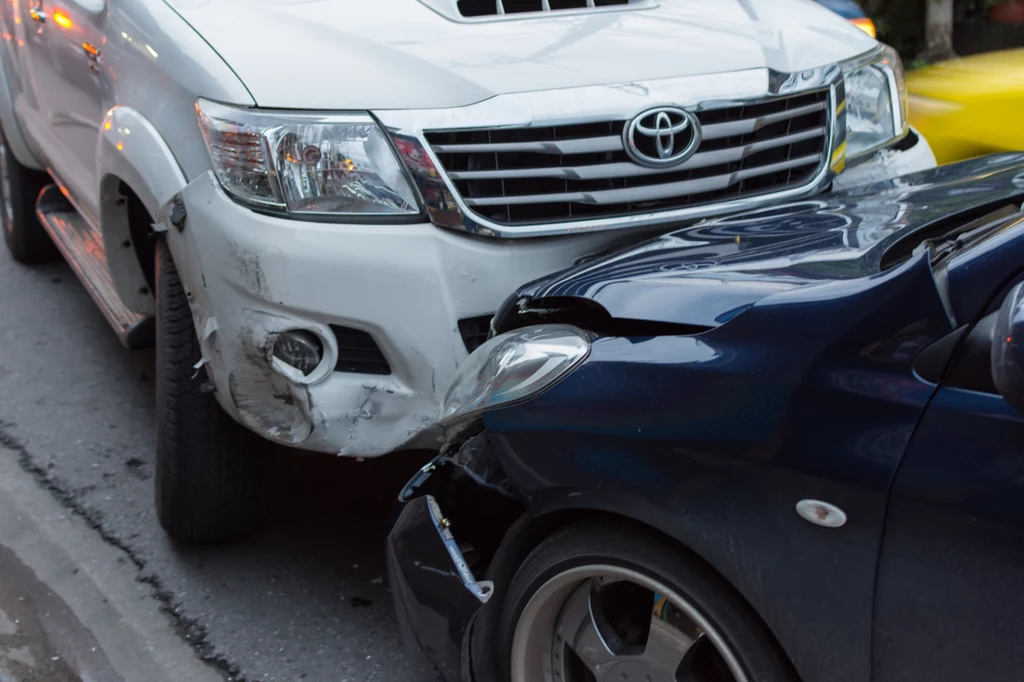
x=876, y=102
x=513, y=367
x=306, y=165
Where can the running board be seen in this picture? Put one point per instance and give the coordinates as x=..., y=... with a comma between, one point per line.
x=83, y=249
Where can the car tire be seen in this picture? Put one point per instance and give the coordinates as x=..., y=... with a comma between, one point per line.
x=19, y=187
x=616, y=572
x=210, y=471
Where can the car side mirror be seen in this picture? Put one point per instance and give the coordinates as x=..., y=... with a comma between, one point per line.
x=1008, y=348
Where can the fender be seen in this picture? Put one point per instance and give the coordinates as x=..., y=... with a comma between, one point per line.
x=130, y=150
x=15, y=136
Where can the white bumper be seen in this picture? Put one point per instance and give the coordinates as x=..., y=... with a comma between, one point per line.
x=251, y=277
x=888, y=163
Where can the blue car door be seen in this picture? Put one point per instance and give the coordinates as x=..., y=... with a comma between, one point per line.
x=950, y=591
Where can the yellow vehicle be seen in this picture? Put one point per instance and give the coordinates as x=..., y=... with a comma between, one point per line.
x=971, y=106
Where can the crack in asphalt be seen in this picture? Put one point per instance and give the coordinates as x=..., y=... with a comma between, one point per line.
x=189, y=629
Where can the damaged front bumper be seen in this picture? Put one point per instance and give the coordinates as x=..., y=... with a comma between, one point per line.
x=436, y=595
x=389, y=304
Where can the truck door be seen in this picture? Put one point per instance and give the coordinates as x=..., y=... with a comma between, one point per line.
x=66, y=40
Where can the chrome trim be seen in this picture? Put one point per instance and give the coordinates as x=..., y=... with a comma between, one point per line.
x=624, y=101
x=716, y=131
x=632, y=170
x=648, y=192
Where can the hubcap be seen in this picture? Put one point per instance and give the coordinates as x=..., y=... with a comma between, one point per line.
x=603, y=623
x=6, y=205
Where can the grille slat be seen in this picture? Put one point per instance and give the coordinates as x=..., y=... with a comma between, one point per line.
x=584, y=146
x=717, y=131
x=627, y=169
x=580, y=171
x=650, y=192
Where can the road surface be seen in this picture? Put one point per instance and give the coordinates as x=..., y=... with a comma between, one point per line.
x=305, y=600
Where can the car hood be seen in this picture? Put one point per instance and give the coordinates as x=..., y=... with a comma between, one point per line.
x=706, y=274
x=399, y=54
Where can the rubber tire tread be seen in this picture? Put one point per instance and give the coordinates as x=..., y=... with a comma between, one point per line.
x=591, y=543
x=211, y=473
x=27, y=241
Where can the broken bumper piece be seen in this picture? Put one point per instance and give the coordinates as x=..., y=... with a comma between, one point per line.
x=384, y=301
x=436, y=596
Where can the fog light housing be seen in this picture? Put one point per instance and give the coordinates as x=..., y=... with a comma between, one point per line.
x=300, y=350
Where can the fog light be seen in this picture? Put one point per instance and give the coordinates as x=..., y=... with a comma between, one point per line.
x=299, y=349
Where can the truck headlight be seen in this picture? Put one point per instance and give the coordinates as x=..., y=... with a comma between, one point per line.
x=513, y=367
x=876, y=102
x=306, y=165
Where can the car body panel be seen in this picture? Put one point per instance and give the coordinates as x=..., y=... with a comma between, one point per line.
x=734, y=262
x=970, y=106
x=949, y=592
x=421, y=61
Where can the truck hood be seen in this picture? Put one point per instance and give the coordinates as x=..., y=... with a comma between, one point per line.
x=420, y=54
x=709, y=273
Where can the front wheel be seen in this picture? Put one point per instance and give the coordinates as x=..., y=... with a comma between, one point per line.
x=599, y=604
x=210, y=471
x=19, y=186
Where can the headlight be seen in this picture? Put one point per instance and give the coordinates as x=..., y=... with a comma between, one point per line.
x=513, y=367
x=876, y=102
x=307, y=165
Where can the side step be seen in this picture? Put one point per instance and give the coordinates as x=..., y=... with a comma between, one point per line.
x=83, y=249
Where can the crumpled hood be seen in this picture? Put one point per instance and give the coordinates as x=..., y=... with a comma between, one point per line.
x=709, y=273
x=398, y=54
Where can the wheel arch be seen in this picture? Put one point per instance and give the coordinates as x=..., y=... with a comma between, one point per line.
x=138, y=172
x=530, y=530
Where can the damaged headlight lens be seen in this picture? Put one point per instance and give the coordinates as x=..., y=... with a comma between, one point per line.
x=876, y=103
x=513, y=367
x=306, y=165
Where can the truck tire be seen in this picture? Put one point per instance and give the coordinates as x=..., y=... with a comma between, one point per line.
x=19, y=186
x=210, y=471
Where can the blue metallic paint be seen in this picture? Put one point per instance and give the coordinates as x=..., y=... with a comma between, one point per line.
x=803, y=385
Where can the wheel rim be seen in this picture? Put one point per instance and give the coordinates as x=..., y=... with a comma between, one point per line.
x=6, y=205
x=604, y=623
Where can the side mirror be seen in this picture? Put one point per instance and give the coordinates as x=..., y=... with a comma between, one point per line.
x=1008, y=348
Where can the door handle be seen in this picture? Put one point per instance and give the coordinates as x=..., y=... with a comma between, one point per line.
x=37, y=14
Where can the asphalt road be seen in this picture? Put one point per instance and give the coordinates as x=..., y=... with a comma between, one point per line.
x=304, y=600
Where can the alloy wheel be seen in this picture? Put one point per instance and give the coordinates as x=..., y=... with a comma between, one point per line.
x=605, y=623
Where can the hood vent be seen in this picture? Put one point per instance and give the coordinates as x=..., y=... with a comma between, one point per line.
x=506, y=9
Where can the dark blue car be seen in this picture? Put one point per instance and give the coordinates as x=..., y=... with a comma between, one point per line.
x=786, y=445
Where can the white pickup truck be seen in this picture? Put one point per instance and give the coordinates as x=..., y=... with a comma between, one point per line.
x=312, y=207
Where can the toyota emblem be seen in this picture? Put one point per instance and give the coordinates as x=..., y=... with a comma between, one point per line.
x=662, y=137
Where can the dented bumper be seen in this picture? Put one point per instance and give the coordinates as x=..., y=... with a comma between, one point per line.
x=251, y=277
x=436, y=596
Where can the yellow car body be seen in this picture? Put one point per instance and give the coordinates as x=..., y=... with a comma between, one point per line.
x=971, y=106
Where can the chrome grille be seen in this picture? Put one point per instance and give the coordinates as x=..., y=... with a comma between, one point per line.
x=578, y=172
